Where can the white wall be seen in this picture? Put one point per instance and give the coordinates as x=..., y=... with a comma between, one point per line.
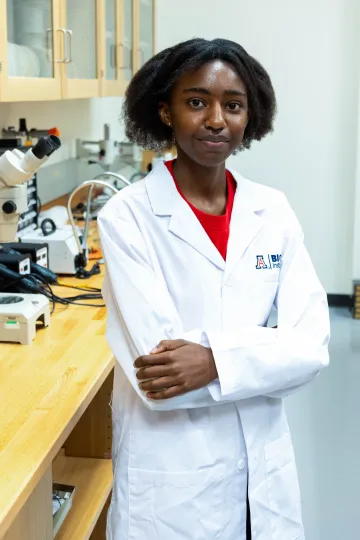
x=356, y=204
x=309, y=50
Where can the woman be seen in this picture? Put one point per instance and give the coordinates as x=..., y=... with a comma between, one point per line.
x=196, y=256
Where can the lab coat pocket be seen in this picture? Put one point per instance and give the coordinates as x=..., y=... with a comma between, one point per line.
x=283, y=490
x=259, y=299
x=173, y=505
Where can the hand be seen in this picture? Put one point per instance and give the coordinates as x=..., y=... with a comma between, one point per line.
x=175, y=367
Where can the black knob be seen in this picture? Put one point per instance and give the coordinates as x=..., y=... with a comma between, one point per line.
x=9, y=207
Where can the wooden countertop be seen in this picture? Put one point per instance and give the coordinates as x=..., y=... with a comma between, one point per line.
x=44, y=389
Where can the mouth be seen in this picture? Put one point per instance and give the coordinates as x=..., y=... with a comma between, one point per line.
x=214, y=142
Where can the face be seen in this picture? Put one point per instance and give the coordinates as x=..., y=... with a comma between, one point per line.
x=208, y=113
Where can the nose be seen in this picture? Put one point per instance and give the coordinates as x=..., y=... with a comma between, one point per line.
x=215, y=120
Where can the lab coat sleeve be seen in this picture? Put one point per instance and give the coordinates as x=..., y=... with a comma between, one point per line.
x=276, y=362
x=140, y=310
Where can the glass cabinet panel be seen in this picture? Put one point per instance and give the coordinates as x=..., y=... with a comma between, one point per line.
x=110, y=38
x=81, y=39
x=128, y=40
x=30, y=38
x=146, y=31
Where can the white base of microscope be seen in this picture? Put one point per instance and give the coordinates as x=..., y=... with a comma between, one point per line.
x=19, y=314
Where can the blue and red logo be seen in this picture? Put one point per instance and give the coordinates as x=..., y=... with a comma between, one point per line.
x=271, y=261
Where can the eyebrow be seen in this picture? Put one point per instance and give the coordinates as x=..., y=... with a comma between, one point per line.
x=200, y=90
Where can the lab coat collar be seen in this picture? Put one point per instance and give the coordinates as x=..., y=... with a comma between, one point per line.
x=245, y=222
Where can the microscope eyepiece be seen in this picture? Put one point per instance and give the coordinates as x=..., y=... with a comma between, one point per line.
x=46, y=146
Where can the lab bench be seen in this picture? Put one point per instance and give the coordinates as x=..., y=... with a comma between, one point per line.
x=55, y=426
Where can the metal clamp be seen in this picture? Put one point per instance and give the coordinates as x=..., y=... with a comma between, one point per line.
x=90, y=184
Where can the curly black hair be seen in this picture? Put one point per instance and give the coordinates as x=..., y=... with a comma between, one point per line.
x=154, y=82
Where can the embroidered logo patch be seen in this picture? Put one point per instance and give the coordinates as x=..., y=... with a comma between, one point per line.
x=268, y=262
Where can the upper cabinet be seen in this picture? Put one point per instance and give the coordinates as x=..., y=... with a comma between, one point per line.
x=144, y=31
x=117, y=40
x=68, y=49
x=30, y=50
x=81, y=72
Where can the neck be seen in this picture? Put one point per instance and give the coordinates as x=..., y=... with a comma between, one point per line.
x=199, y=182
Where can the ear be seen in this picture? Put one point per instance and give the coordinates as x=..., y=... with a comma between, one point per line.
x=164, y=113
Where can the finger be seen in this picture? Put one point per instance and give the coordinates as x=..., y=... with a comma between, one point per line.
x=159, y=349
x=168, y=393
x=169, y=345
x=158, y=384
x=152, y=372
x=151, y=360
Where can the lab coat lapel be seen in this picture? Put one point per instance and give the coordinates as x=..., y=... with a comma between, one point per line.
x=186, y=226
x=166, y=201
x=245, y=222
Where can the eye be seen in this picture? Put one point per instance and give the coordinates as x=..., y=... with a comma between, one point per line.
x=196, y=103
x=235, y=106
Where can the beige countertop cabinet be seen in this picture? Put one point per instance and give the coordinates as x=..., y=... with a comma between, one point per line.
x=55, y=426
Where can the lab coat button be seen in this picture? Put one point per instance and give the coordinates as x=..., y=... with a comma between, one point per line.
x=241, y=464
x=229, y=282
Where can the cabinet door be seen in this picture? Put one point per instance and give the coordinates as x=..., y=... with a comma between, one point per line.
x=112, y=48
x=30, y=50
x=128, y=34
x=145, y=28
x=81, y=71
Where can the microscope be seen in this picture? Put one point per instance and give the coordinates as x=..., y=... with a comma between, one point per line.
x=20, y=312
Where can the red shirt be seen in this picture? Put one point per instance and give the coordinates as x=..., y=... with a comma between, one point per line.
x=217, y=227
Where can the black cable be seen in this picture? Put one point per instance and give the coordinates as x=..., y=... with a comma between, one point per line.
x=31, y=284
x=94, y=289
x=44, y=288
x=74, y=299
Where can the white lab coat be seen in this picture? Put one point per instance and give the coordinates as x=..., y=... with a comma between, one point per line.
x=177, y=463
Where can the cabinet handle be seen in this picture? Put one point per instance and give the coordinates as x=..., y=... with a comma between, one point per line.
x=121, y=46
x=69, y=33
x=130, y=66
x=63, y=31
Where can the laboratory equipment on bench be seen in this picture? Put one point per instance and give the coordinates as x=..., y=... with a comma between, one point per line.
x=28, y=219
x=68, y=249
x=95, y=204
x=25, y=136
x=63, y=250
x=105, y=149
x=82, y=246
x=16, y=169
x=39, y=253
x=20, y=312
